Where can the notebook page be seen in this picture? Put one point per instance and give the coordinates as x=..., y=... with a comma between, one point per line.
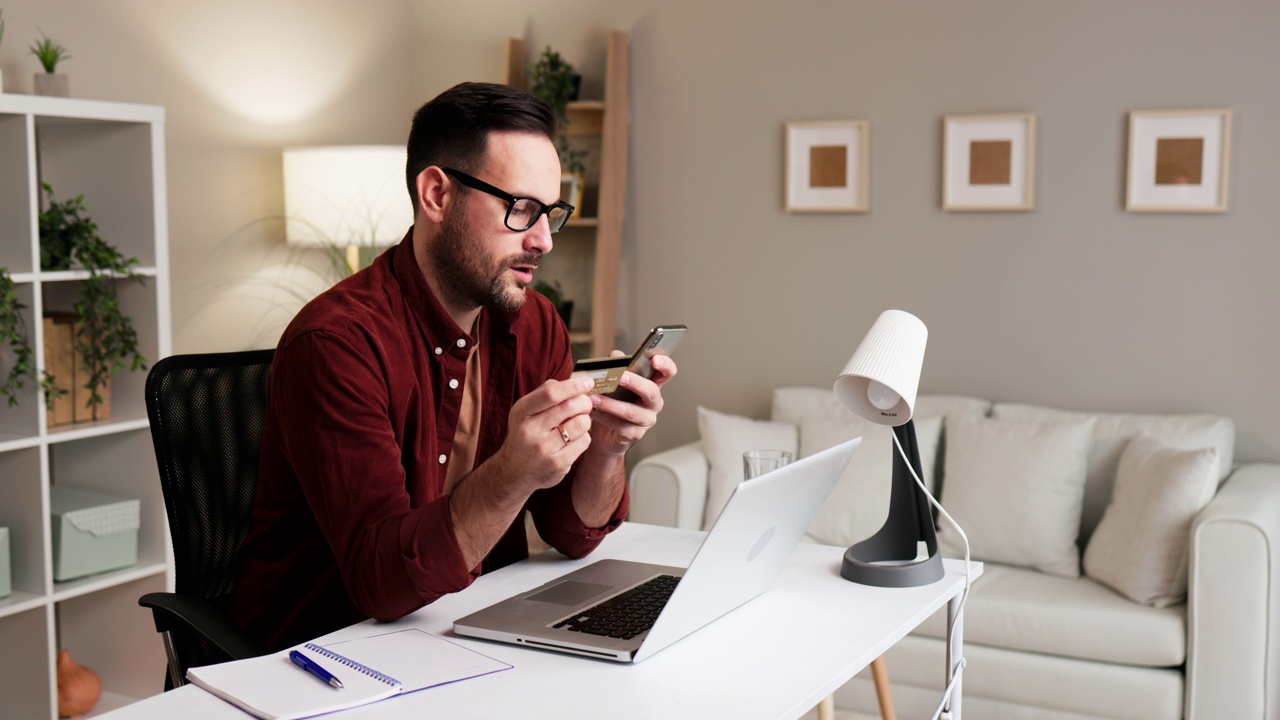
x=417, y=659
x=272, y=687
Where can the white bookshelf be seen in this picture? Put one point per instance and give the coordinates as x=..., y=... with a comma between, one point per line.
x=113, y=154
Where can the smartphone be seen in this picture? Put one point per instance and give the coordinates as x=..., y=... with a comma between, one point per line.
x=607, y=371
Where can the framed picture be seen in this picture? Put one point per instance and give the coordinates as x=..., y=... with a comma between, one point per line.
x=827, y=166
x=989, y=162
x=1178, y=161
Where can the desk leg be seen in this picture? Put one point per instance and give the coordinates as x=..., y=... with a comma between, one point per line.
x=955, y=651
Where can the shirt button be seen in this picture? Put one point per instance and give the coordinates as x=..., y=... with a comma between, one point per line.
x=462, y=342
x=439, y=351
x=453, y=384
x=443, y=459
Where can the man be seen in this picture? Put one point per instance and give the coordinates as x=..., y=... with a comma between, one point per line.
x=417, y=409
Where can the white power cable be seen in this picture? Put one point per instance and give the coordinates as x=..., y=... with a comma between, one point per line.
x=955, y=670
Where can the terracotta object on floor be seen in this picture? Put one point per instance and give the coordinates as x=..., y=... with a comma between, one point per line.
x=79, y=687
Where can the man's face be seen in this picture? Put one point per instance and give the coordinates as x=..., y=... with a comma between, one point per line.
x=479, y=260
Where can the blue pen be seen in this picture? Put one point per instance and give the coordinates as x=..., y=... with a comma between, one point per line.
x=310, y=666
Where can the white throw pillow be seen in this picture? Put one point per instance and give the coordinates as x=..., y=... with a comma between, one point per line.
x=724, y=439
x=1016, y=488
x=1112, y=431
x=859, y=504
x=1140, y=547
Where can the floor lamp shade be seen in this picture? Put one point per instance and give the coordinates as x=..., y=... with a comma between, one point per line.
x=349, y=195
x=879, y=383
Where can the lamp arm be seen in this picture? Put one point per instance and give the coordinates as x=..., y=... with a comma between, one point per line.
x=953, y=666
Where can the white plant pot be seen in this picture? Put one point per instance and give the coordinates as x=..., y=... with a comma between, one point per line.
x=53, y=85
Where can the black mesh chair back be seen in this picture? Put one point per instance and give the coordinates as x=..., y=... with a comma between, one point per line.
x=207, y=415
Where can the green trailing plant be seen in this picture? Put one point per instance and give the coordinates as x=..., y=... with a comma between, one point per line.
x=13, y=333
x=555, y=81
x=49, y=53
x=1, y=25
x=105, y=337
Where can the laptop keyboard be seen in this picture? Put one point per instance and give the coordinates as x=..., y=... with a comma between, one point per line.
x=625, y=615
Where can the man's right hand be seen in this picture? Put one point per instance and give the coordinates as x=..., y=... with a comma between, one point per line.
x=547, y=431
x=538, y=426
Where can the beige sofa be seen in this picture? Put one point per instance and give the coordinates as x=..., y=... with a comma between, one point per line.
x=1112, y=640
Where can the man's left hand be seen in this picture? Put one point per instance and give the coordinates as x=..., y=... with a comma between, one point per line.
x=616, y=425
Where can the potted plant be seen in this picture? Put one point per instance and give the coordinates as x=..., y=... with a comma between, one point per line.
x=555, y=294
x=556, y=82
x=105, y=336
x=51, y=82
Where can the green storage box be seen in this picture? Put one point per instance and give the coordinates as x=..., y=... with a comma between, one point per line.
x=92, y=532
x=6, y=581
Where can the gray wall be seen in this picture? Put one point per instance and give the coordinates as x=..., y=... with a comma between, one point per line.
x=1076, y=304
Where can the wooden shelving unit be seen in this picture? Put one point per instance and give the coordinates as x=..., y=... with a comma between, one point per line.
x=595, y=240
x=113, y=154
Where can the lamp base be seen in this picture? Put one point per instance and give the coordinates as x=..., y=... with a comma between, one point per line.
x=892, y=557
x=890, y=572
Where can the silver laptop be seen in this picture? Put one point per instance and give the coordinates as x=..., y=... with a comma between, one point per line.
x=581, y=612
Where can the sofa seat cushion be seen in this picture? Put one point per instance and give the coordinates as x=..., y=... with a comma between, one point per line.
x=1020, y=609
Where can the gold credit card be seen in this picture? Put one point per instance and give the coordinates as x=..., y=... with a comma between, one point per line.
x=606, y=371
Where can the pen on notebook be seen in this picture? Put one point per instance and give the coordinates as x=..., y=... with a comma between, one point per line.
x=310, y=666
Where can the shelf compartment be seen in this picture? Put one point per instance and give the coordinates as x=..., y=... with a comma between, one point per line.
x=16, y=236
x=24, y=512
x=26, y=667
x=106, y=162
x=109, y=632
x=123, y=464
x=138, y=302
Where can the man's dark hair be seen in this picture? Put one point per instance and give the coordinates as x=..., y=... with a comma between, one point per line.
x=453, y=129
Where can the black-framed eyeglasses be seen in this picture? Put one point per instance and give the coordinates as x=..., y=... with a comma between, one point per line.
x=522, y=212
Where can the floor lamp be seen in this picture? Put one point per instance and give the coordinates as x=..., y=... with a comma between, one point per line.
x=346, y=197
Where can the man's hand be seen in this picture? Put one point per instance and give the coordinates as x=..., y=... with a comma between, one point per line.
x=618, y=424
x=547, y=431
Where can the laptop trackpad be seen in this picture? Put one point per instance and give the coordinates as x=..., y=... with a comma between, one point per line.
x=569, y=592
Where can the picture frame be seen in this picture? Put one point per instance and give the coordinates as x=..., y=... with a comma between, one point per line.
x=989, y=162
x=1179, y=161
x=827, y=166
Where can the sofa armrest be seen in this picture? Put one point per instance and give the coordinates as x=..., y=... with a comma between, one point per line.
x=670, y=488
x=1233, y=600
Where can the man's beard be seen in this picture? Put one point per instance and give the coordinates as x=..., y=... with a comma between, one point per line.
x=468, y=277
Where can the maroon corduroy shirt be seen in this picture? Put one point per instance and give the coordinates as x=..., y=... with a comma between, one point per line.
x=350, y=519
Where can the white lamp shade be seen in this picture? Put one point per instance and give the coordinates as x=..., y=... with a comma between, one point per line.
x=891, y=354
x=346, y=195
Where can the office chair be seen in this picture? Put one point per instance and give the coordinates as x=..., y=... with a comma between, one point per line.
x=207, y=414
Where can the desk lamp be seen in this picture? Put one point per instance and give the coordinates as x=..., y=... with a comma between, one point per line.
x=879, y=384
x=346, y=196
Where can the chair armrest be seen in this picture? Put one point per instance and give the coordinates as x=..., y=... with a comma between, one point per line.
x=184, y=614
x=670, y=488
x=1233, y=600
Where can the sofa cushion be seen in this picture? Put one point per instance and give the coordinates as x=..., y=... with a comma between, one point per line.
x=1016, y=489
x=1112, y=431
x=859, y=504
x=1140, y=547
x=1020, y=609
x=724, y=439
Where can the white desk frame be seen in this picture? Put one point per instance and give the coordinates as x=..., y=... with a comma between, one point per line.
x=775, y=657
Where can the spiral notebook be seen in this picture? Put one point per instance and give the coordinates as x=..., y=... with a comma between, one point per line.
x=370, y=668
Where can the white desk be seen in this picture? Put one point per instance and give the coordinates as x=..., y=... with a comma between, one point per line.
x=775, y=657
